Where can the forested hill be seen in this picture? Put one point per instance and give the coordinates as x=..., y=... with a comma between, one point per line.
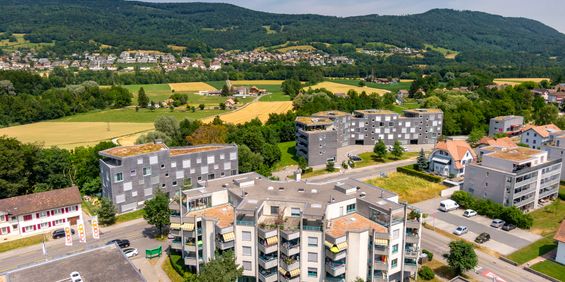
x=203, y=26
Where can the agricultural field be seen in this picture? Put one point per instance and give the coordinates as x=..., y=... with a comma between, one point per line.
x=448, y=54
x=155, y=92
x=516, y=81
x=344, y=88
x=274, y=97
x=253, y=110
x=297, y=48
x=404, y=85
x=72, y=134
x=21, y=42
x=129, y=115
x=190, y=86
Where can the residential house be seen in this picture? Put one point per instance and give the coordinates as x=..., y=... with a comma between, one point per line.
x=555, y=148
x=560, y=238
x=230, y=103
x=509, y=125
x=544, y=93
x=536, y=135
x=504, y=142
x=39, y=212
x=450, y=157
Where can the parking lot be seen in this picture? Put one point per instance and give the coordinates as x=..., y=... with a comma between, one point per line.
x=504, y=242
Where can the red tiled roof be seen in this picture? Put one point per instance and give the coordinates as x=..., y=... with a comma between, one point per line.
x=542, y=130
x=41, y=201
x=456, y=149
x=504, y=142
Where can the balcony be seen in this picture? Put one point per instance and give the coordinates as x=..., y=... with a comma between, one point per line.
x=268, y=276
x=176, y=244
x=289, y=264
x=412, y=238
x=381, y=250
x=413, y=224
x=245, y=220
x=335, y=269
x=335, y=279
x=267, y=249
x=336, y=256
x=290, y=249
x=290, y=234
x=381, y=265
x=225, y=245
x=311, y=225
x=266, y=232
x=411, y=253
x=192, y=260
x=410, y=266
x=267, y=262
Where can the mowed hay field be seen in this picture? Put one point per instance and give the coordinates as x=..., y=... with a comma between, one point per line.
x=259, y=110
x=516, y=81
x=72, y=134
x=155, y=92
x=191, y=86
x=256, y=82
x=344, y=88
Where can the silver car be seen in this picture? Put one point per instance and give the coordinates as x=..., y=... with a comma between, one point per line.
x=460, y=230
x=497, y=223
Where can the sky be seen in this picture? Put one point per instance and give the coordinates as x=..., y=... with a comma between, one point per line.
x=549, y=12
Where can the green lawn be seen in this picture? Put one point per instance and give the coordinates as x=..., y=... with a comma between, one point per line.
x=20, y=243
x=171, y=272
x=548, y=218
x=288, y=155
x=551, y=268
x=534, y=250
x=317, y=173
x=155, y=92
x=130, y=216
x=406, y=106
x=275, y=97
x=219, y=84
x=143, y=116
x=409, y=188
x=390, y=87
x=368, y=159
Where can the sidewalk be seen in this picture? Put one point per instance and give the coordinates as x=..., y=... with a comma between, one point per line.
x=151, y=269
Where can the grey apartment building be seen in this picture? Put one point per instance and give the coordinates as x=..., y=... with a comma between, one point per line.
x=505, y=124
x=319, y=136
x=297, y=231
x=520, y=177
x=132, y=174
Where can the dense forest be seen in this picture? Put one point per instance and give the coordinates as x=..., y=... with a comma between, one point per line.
x=74, y=25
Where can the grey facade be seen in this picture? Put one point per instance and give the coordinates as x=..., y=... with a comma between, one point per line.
x=555, y=149
x=319, y=136
x=505, y=124
x=132, y=174
x=520, y=177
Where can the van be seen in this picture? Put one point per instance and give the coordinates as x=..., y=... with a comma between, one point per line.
x=448, y=205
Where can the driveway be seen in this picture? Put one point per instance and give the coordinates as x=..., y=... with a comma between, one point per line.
x=501, y=241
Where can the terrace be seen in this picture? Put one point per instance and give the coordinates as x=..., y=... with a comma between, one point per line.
x=353, y=222
x=190, y=150
x=223, y=214
x=129, y=151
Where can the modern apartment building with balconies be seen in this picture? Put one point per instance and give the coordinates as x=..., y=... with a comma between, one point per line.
x=318, y=137
x=297, y=231
x=132, y=174
x=518, y=176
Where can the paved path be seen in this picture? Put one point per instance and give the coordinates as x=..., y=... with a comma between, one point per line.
x=364, y=172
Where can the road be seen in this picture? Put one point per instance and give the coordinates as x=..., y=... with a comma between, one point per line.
x=364, y=172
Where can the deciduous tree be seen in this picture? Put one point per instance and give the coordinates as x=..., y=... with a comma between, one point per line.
x=106, y=212
x=157, y=211
x=462, y=256
x=380, y=149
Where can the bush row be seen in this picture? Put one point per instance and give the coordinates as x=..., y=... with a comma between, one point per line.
x=491, y=209
x=410, y=170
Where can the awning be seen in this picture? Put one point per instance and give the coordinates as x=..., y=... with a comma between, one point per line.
x=282, y=271
x=328, y=244
x=188, y=226
x=175, y=226
x=440, y=160
x=381, y=242
x=228, y=237
x=295, y=272
x=339, y=247
x=272, y=240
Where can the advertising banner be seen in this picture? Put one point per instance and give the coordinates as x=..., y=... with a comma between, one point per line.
x=68, y=234
x=95, y=227
x=81, y=231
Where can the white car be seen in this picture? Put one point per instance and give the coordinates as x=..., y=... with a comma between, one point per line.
x=460, y=230
x=130, y=252
x=469, y=213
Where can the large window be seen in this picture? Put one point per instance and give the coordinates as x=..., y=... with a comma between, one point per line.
x=295, y=211
x=395, y=249
x=274, y=210
x=351, y=208
x=198, y=204
x=146, y=171
x=394, y=263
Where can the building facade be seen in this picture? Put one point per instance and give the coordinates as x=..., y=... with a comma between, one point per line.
x=536, y=136
x=39, y=212
x=519, y=176
x=505, y=124
x=132, y=174
x=555, y=149
x=560, y=239
x=318, y=137
x=450, y=157
x=298, y=231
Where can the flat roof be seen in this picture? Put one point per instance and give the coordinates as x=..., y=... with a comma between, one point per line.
x=314, y=120
x=515, y=154
x=223, y=214
x=506, y=117
x=106, y=263
x=196, y=149
x=376, y=112
x=331, y=113
x=428, y=110
x=352, y=222
x=135, y=150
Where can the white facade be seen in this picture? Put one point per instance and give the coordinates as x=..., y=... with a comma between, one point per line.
x=560, y=256
x=531, y=138
x=38, y=222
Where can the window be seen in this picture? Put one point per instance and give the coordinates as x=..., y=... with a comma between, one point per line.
x=132, y=172
x=246, y=251
x=312, y=242
x=312, y=257
x=174, y=183
x=274, y=210
x=350, y=208
x=146, y=171
x=120, y=198
x=247, y=265
x=118, y=177
x=187, y=183
x=395, y=249
x=295, y=211
x=162, y=166
x=246, y=236
x=211, y=159
x=395, y=234
x=27, y=217
x=312, y=272
x=394, y=263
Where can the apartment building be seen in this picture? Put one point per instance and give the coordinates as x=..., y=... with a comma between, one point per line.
x=39, y=212
x=518, y=176
x=298, y=231
x=505, y=124
x=536, y=135
x=132, y=174
x=318, y=137
x=555, y=148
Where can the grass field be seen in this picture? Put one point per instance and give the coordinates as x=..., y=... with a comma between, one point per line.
x=551, y=268
x=344, y=88
x=155, y=92
x=448, y=54
x=259, y=110
x=173, y=275
x=130, y=216
x=256, y=82
x=369, y=158
x=143, y=116
x=516, y=81
x=440, y=270
x=20, y=243
x=390, y=87
x=297, y=48
x=72, y=134
x=535, y=249
x=275, y=97
x=409, y=188
x=288, y=155
x=191, y=86
x=21, y=42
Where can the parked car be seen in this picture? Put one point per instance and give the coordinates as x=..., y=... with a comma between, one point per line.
x=121, y=243
x=60, y=233
x=497, y=223
x=469, y=213
x=508, y=226
x=460, y=230
x=130, y=252
x=75, y=277
x=448, y=205
x=355, y=158
x=483, y=237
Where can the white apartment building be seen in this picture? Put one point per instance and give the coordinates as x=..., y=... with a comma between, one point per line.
x=555, y=148
x=39, y=212
x=298, y=231
x=536, y=136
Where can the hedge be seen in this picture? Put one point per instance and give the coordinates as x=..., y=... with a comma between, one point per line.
x=491, y=209
x=410, y=170
x=177, y=263
x=426, y=273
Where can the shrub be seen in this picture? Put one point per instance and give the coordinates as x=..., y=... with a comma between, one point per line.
x=426, y=273
x=429, y=254
x=562, y=194
x=410, y=170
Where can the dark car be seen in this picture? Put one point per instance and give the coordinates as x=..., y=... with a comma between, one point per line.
x=121, y=243
x=508, y=226
x=60, y=233
x=483, y=237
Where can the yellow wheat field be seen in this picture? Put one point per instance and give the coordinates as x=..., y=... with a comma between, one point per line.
x=191, y=86
x=253, y=110
x=344, y=88
x=516, y=81
x=72, y=134
x=256, y=82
